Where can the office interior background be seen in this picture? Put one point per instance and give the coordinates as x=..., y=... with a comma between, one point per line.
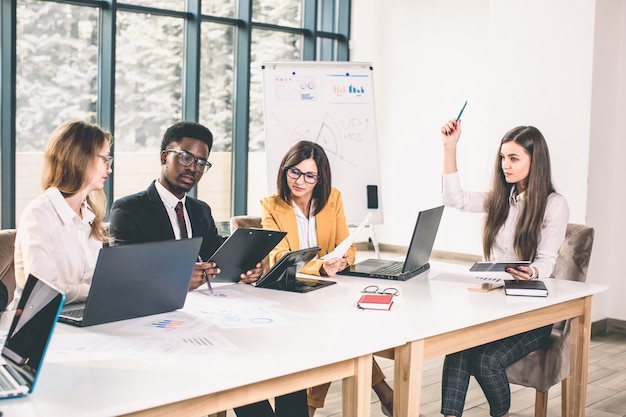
x=136, y=67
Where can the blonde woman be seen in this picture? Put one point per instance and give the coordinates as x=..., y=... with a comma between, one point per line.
x=61, y=231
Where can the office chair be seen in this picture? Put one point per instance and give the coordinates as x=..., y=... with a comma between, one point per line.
x=544, y=368
x=246, y=222
x=7, y=269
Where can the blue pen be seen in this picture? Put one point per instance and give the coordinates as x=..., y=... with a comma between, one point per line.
x=461, y=112
x=208, y=281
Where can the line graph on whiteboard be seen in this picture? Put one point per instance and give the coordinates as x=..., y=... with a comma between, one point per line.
x=331, y=135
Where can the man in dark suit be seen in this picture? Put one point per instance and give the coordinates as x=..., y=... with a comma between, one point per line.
x=151, y=215
x=164, y=211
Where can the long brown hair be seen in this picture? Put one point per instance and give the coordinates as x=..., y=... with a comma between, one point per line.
x=298, y=153
x=69, y=154
x=528, y=228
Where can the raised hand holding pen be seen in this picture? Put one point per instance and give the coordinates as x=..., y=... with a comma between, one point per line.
x=449, y=128
x=450, y=135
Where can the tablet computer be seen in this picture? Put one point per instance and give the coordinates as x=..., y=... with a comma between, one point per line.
x=243, y=249
x=497, y=266
x=282, y=276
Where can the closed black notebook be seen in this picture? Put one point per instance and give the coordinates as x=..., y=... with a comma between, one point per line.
x=532, y=288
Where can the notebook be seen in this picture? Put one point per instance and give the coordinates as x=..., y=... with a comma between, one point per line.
x=243, y=249
x=136, y=280
x=417, y=256
x=282, y=276
x=28, y=337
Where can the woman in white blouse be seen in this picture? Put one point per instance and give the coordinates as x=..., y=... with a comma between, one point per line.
x=525, y=219
x=61, y=231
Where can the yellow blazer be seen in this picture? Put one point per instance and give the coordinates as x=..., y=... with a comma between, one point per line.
x=331, y=226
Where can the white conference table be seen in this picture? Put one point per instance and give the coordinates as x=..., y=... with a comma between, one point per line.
x=324, y=338
x=442, y=316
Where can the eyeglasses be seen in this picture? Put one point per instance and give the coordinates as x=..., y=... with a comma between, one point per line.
x=309, y=177
x=373, y=289
x=108, y=160
x=186, y=159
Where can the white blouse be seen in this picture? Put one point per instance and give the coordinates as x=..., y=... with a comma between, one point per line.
x=53, y=243
x=552, y=230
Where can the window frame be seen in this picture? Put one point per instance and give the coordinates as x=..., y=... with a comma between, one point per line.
x=316, y=13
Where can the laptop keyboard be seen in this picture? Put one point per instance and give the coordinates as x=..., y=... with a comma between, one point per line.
x=6, y=382
x=391, y=269
x=75, y=314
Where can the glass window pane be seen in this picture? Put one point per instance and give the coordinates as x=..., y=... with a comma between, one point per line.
x=216, y=113
x=178, y=5
x=148, y=97
x=267, y=46
x=326, y=49
x=56, y=80
x=278, y=12
x=326, y=16
x=221, y=8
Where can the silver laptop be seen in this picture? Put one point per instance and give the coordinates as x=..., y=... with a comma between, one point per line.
x=417, y=256
x=136, y=280
x=27, y=341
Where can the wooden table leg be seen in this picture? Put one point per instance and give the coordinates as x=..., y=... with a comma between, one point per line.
x=356, y=389
x=407, y=385
x=581, y=328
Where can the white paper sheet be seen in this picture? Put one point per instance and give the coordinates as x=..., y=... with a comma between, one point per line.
x=343, y=247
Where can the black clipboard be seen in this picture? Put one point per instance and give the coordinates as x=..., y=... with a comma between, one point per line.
x=282, y=276
x=243, y=249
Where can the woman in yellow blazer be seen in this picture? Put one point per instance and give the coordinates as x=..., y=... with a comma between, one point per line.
x=310, y=210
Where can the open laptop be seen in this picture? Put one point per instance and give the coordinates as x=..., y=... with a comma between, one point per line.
x=417, y=256
x=136, y=280
x=28, y=337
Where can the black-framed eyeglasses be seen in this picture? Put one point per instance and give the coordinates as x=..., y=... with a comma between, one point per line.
x=309, y=177
x=108, y=160
x=374, y=289
x=185, y=158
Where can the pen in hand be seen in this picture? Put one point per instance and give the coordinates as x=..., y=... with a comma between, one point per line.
x=445, y=129
x=204, y=274
x=461, y=112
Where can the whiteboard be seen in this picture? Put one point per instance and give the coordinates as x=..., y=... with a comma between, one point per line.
x=332, y=104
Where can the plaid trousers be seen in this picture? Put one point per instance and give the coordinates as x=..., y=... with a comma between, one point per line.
x=487, y=363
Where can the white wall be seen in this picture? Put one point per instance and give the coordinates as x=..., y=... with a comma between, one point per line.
x=532, y=62
x=606, y=196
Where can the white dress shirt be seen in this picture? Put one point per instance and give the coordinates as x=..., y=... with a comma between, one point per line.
x=169, y=201
x=53, y=243
x=552, y=230
x=307, y=226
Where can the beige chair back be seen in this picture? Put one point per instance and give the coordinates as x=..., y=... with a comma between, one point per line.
x=249, y=222
x=575, y=252
x=7, y=268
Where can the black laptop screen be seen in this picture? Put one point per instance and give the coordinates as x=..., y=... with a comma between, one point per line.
x=32, y=325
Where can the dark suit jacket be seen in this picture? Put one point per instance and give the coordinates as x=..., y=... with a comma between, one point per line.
x=142, y=217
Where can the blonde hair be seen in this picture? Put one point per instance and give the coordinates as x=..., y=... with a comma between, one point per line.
x=69, y=153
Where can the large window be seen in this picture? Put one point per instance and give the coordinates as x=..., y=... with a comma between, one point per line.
x=148, y=94
x=56, y=80
x=136, y=67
